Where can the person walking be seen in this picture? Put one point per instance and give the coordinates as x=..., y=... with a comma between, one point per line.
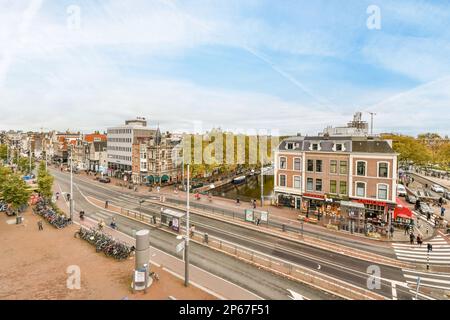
x=106, y=204
x=411, y=238
x=440, y=201
x=254, y=203
x=237, y=201
x=442, y=211
x=406, y=229
x=40, y=226
x=419, y=240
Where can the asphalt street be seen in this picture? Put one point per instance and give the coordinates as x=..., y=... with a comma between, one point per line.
x=350, y=270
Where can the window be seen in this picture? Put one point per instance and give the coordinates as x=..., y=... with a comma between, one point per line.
x=310, y=165
x=343, y=187
x=290, y=146
x=315, y=146
x=309, y=184
x=360, y=189
x=333, y=166
x=343, y=167
x=282, y=163
x=382, y=191
x=383, y=169
x=361, y=168
x=297, y=182
x=333, y=186
x=318, y=165
x=338, y=146
x=297, y=164
x=318, y=184
x=282, y=180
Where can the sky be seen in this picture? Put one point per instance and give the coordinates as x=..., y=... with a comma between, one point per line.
x=267, y=66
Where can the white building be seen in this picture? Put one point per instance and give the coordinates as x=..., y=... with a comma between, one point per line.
x=120, y=145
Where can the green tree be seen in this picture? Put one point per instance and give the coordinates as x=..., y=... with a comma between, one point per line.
x=3, y=152
x=4, y=175
x=16, y=191
x=23, y=165
x=45, y=185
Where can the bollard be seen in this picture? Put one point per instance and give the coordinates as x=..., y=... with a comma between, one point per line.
x=205, y=238
x=284, y=227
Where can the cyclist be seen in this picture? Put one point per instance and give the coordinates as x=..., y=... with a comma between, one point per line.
x=113, y=223
x=101, y=224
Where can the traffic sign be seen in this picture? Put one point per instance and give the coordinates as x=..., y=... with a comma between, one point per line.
x=180, y=246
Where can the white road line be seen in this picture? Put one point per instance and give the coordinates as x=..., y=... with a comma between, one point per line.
x=427, y=279
x=435, y=261
x=428, y=285
x=394, y=292
x=218, y=296
x=437, y=274
x=421, y=295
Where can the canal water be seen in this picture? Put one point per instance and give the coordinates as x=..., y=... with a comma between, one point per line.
x=250, y=189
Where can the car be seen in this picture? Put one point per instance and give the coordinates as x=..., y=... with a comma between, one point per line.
x=425, y=208
x=447, y=195
x=437, y=188
x=411, y=198
x=401, y=190
x=104, y=180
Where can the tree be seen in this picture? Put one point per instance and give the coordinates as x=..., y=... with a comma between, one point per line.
x=410, y=149
x=23, y=164
x=3, y=152
x=45, y=185
x=16, y=191
x=4, y=175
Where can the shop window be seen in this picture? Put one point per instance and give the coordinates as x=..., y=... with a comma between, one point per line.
x=383, y=169
x=333, y=166
x=333, y=186
x=318, y=184
x=382, y=191
x=361, y=168
x=343, y=188
x=309, y=184
x=343, y=167
x=282, y=163
x=310, y=166
x=318, y=165
x=360, y=189
x=297, y=164
x=282, y=180
x=297, y=182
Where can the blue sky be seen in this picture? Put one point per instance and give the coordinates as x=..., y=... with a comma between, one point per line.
x=286, y=66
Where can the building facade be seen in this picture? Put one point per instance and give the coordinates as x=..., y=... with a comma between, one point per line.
x=120, y=142
x=316, y=174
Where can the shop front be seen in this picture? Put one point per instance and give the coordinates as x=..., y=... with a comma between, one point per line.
x=288, y=200
x=352, y=217
x=377, y=215
x=313, y=205
x=403, y=216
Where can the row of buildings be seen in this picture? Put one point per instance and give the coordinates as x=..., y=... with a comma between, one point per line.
x=132, y=152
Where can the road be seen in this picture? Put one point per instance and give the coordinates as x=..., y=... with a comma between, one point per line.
x=339, y=266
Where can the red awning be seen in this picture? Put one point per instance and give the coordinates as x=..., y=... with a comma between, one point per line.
x=402, y=210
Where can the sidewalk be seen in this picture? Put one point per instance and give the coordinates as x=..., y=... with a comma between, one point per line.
x=40, y=264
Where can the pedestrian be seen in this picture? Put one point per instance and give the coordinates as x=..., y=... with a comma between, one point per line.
x=442, y=211
x=440, y=201
x=106, y=204
x=40, y=226
x=254, y=204
x=411, y=238
x=406, y=229
x=258, y=221
x=417, y=206
x=57, y=195
x=237, y=201
x=392, y=231
x=419, y=240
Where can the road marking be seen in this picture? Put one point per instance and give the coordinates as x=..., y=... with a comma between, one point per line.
x=394, y=292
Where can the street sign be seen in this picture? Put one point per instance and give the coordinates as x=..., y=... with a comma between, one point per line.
x=180, y=246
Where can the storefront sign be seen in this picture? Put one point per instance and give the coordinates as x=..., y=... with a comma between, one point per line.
x=374, y=202
x=312, y=195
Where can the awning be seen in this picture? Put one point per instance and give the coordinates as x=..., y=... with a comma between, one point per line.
x=165, y=178
x=150, y=179
x=402, y=211
x=352, y=204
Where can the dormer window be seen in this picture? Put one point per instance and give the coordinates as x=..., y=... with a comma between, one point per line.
x=339, y=147
x=290, y=146
x=315, y=146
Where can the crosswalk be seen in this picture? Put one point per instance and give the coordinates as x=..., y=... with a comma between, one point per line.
x=432, y=280
x=431, y=222
x=440, y=254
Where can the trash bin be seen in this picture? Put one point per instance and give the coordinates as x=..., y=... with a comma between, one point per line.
x=19, y=219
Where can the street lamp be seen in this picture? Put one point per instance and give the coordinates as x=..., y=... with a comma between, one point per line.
x=186, y=247
x=71, y=183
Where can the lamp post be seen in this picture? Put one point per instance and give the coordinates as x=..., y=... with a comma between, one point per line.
x=71, y=183
x=186, y=247
x=262, y=184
